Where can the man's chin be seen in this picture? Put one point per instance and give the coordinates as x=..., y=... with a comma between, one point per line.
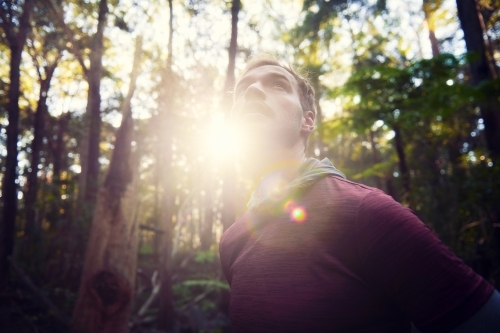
x=254, y=131
x=257, y=146
x=254, y=123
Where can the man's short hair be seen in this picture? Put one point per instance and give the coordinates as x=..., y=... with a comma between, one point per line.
x=307, y=100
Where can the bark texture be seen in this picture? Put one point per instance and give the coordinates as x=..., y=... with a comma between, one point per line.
x=108, y=280
x=166, y=207
x=88, y=181
x=469, y=16
x=59, y=162
x=375, y=158
x=16, y=38
x=229, y=176
x=93, y=110
x=403, y=166
x=206, y=228
x=36, y=148
x=233, y=45
x=429, y=7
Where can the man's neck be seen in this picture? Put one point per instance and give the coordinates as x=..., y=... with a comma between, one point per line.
x=275, y=170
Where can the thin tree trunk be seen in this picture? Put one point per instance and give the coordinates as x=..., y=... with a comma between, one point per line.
x=487, y=43
x=233, y=47
x=229, y=176
x=403, y=167
x=84, y=139
x=428, y=11
x=89, y=144
x=375, y=158
x=83, y=145
x=166, y=317
x=319, y=112
x=482, y=69
x=59, y=163
x=170, y=34
x=9, y=187
x=108, y=281
x=94, y=108
x=434, y=43
x=389, y=186
x=206, y=231
x=468, y=14
x=36, y=148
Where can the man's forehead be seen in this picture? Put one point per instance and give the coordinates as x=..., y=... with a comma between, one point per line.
x=268, y=70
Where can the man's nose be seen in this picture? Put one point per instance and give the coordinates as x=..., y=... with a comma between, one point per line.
x=255, y=92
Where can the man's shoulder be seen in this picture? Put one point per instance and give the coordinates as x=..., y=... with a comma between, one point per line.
x=329, y=195
x=340, y=188
x=348, y=184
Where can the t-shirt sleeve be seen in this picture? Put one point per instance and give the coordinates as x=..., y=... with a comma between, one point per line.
x=406, y=261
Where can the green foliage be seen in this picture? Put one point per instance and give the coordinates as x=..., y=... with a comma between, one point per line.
x=423, y=90
x=197, y=281
x=452, y=180
x=209, y=284
x=204, y=257
x=378, y=170
x=146, y=248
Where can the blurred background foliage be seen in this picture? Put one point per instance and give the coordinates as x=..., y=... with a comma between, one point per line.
x=407, y=96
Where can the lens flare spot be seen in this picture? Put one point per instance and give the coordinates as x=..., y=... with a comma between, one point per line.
x=298, y=214
x=289, y=206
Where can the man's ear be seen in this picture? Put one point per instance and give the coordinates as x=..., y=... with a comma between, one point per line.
x=308, y=118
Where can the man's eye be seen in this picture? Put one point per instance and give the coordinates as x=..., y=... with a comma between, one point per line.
x=278, y=85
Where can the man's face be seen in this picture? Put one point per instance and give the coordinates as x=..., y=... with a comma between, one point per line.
x=267, y=108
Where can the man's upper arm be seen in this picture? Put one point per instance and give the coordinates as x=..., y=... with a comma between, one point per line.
x=405, y=260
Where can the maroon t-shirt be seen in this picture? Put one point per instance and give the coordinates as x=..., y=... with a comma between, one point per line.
x=358, y=262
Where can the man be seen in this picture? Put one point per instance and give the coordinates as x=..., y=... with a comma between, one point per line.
x=318, y=253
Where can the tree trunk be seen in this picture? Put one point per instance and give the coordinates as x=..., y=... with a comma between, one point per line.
x=36, y=148
x=434, y=43
x=233, y=48
x=229, y=176
x=59, y=163
x=166, y=314
x=108, y=281
x=403, y=168
x=319, y=112
x=88, y=179
x=9, y=187
x=94, y=109
x=207, y=205
x=375, y=158
x=468, y=14
x=166, y=317
x=428, y=11
x=170, y=34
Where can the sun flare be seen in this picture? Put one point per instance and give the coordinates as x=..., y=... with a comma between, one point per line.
x=222, y=141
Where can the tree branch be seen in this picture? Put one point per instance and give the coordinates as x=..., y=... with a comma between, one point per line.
x=24, y=22
x=154, y=293
x=6, y=26
x=69, y=35
x=136, y=69
x=34, y=56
